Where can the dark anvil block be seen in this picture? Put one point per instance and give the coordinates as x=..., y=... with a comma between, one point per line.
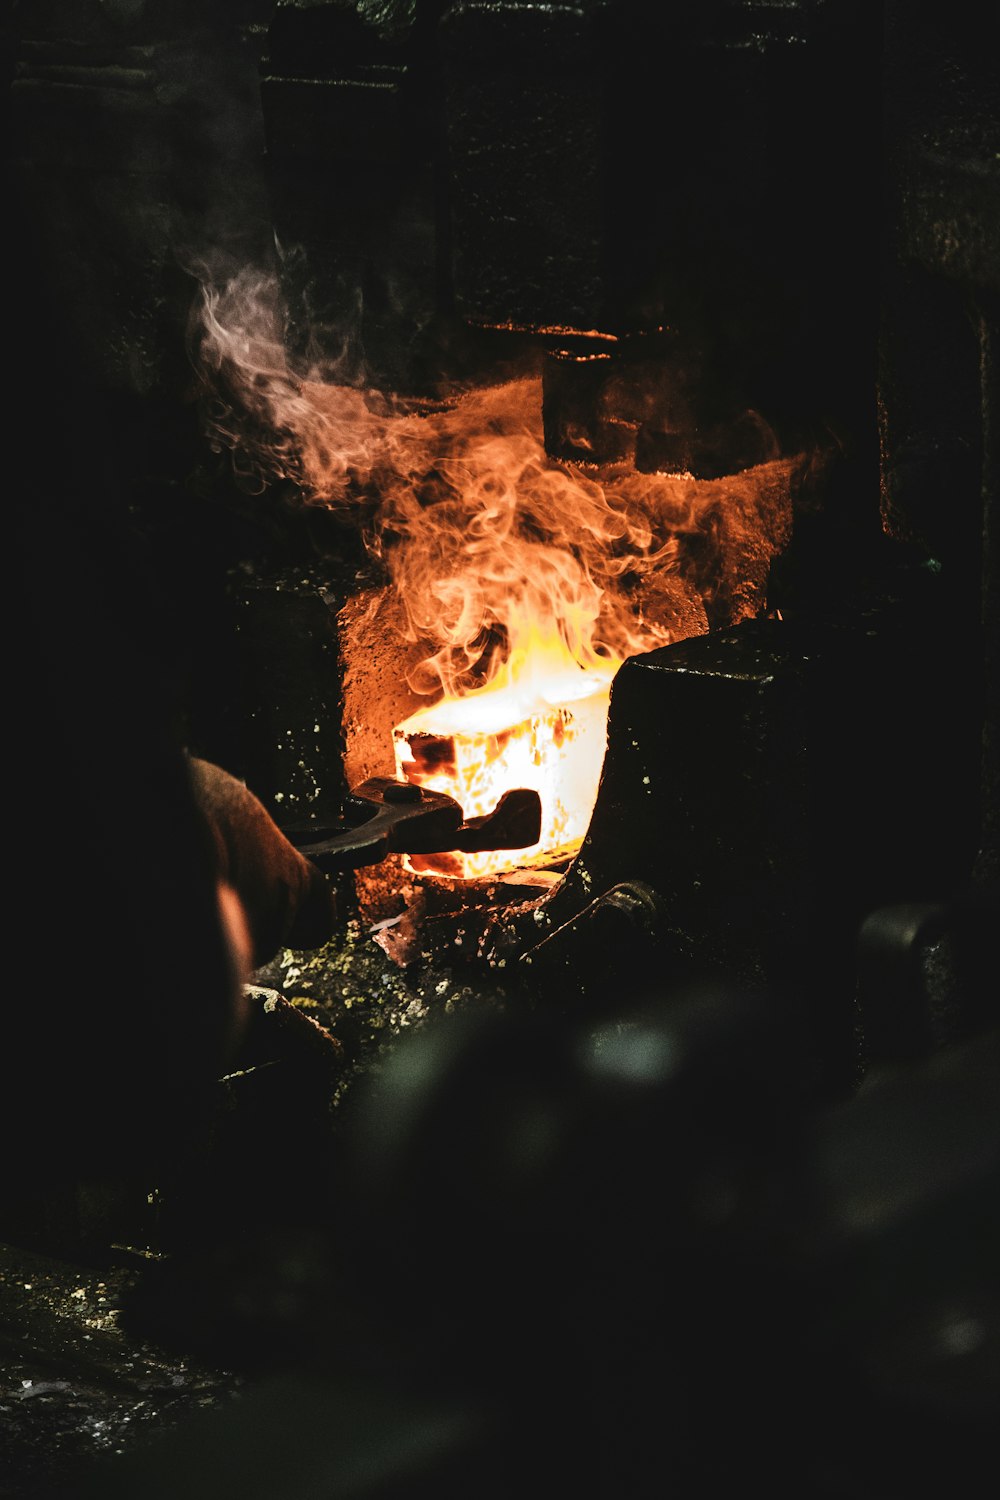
x=772, y=784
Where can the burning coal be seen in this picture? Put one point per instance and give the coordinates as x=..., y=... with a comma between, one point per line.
x=527, y=582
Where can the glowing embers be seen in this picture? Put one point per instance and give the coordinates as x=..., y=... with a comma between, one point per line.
x=478, y=747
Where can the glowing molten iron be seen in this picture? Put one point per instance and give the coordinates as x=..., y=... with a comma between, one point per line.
x=477, y=748
x=519, y=585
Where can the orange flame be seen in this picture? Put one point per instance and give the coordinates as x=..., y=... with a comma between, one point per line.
x=529, y=581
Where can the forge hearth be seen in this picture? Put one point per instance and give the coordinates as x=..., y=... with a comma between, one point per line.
x=512, y=690
x=739, y=827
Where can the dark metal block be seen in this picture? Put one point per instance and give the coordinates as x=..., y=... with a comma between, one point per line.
x=771, y=785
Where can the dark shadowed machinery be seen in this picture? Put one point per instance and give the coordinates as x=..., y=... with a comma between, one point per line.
x=665, y=1155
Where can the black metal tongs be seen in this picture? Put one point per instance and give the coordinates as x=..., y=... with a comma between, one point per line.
x=383, y=816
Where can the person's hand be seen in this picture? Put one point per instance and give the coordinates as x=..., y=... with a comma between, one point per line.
x=287, y=901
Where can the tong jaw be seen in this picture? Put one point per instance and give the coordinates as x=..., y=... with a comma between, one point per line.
x=383, y=816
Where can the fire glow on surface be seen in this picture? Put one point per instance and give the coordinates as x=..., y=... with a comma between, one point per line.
x=523, y=583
